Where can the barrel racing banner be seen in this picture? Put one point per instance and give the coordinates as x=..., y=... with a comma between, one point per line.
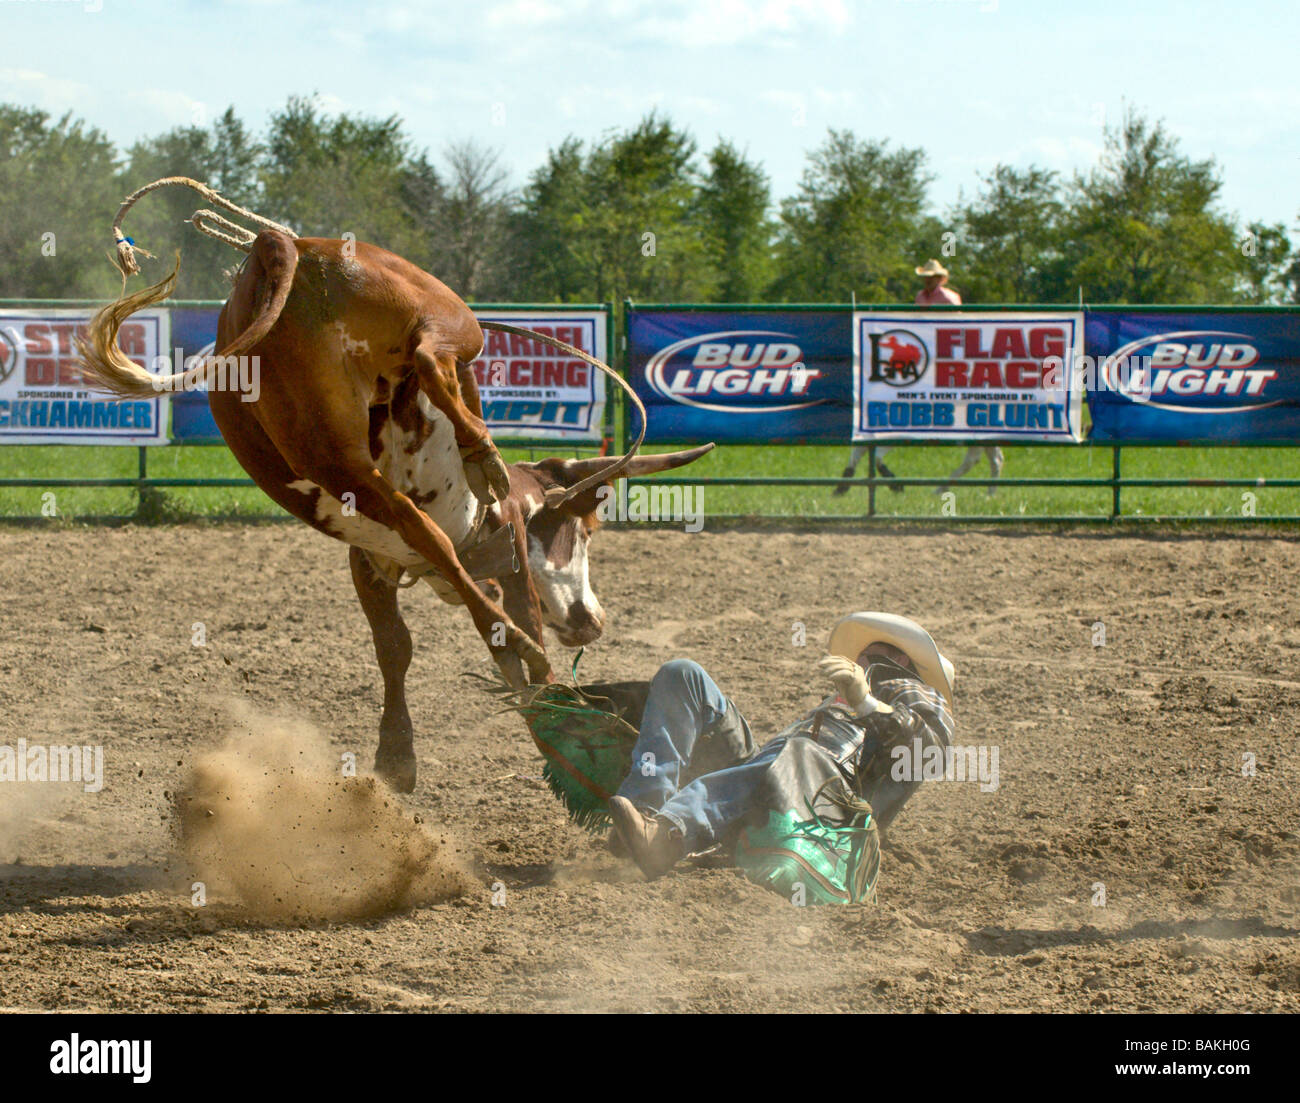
x=1194, y=376
x=756, y=377
x=530, y=389
x=42, y=397
x=967, y=376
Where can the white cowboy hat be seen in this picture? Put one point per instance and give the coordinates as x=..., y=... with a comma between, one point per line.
x=932, y=268
x=859, y=630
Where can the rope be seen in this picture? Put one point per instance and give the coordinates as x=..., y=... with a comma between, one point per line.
x=858, y=831
x=227, y=232
x=223, y=230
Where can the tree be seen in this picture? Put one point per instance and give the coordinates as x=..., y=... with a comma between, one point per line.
x=1142, y=226
x=1010, y=237
x=61, y=189
x=733, y=209
x=620, y=220
x=1267, y=264
x=327, y=177
x=640, y=238
x=854, y=222
x=471, y=222
x=548, y=225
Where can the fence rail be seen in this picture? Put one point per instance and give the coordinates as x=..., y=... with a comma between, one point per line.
x=617, y=425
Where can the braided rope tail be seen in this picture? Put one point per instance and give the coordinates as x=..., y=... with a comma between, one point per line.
x=208, y=222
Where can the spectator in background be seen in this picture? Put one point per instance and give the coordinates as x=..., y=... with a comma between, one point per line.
x=935, y=292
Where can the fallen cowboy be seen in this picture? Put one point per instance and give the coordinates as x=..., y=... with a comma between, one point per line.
x=802, y=813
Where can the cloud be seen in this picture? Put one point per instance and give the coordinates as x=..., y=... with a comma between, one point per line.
x=518, y=15
x=730, y=22
x=53, y=94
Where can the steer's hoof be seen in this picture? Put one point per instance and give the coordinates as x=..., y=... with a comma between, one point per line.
x=522, y=647
x=397, y=773
x=487, y=475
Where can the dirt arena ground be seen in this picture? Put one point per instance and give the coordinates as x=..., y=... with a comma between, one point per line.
x=1120, y=765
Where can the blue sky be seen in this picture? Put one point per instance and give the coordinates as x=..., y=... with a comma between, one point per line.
x=974, y=82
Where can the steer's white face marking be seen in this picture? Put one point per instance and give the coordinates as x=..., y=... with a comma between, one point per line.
x=569, y=606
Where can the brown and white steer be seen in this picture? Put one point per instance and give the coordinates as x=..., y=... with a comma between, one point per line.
x=337, y=330
x=551, y=584
x=547, y=546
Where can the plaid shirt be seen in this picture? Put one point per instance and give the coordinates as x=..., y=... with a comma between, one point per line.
x=861, y=745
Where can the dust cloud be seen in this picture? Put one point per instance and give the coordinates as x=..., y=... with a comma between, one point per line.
x=268, y=817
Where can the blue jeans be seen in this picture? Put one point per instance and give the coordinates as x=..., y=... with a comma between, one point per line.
x=694, y=761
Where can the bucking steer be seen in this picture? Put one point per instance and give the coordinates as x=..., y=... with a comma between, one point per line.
x=368, y=427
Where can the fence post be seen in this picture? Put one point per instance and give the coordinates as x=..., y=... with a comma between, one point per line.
x=142, y=469
x=1114, y=482
x=871, y=480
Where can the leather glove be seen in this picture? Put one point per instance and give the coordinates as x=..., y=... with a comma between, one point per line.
x=850, y=681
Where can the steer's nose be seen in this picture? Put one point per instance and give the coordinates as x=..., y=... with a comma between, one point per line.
x=583, y=624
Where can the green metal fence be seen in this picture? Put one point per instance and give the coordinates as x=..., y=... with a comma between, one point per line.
x=143, y=483
x=618, y=428
x=1115, y=483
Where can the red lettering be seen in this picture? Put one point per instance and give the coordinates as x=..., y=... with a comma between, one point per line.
x=65, y=330
x=945, y=341
x=971, y=343
x=950, y=373
x=1008, y=343
x=40, y=371
x=986, y=373
x=37, y=339
x=1023, y=373
x=1045, y=341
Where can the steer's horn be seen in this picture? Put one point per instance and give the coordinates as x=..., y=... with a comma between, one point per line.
x=638, y=465
x=558, y=495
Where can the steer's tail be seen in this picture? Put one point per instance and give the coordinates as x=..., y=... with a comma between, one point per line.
x=103, y=364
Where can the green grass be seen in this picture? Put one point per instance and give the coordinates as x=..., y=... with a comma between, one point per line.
x=49, y=461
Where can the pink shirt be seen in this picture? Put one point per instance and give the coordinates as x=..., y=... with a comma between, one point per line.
x=940, y=296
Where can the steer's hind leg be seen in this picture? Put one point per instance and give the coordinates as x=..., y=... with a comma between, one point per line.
x=444, y=383
x=395, y=758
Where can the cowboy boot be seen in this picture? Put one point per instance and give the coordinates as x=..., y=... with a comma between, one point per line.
x=654, y=844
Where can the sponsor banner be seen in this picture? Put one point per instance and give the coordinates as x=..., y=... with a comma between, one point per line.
x=194, y=329
x=1198, y=376
x=530, y=389
x=44, y=401
x=967, y=376
x=761, y=377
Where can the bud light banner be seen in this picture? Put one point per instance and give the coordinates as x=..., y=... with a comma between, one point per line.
x=532, y=390
x=42, y=397
x=761, y=377
x=967, y=376
x=1195, y=377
